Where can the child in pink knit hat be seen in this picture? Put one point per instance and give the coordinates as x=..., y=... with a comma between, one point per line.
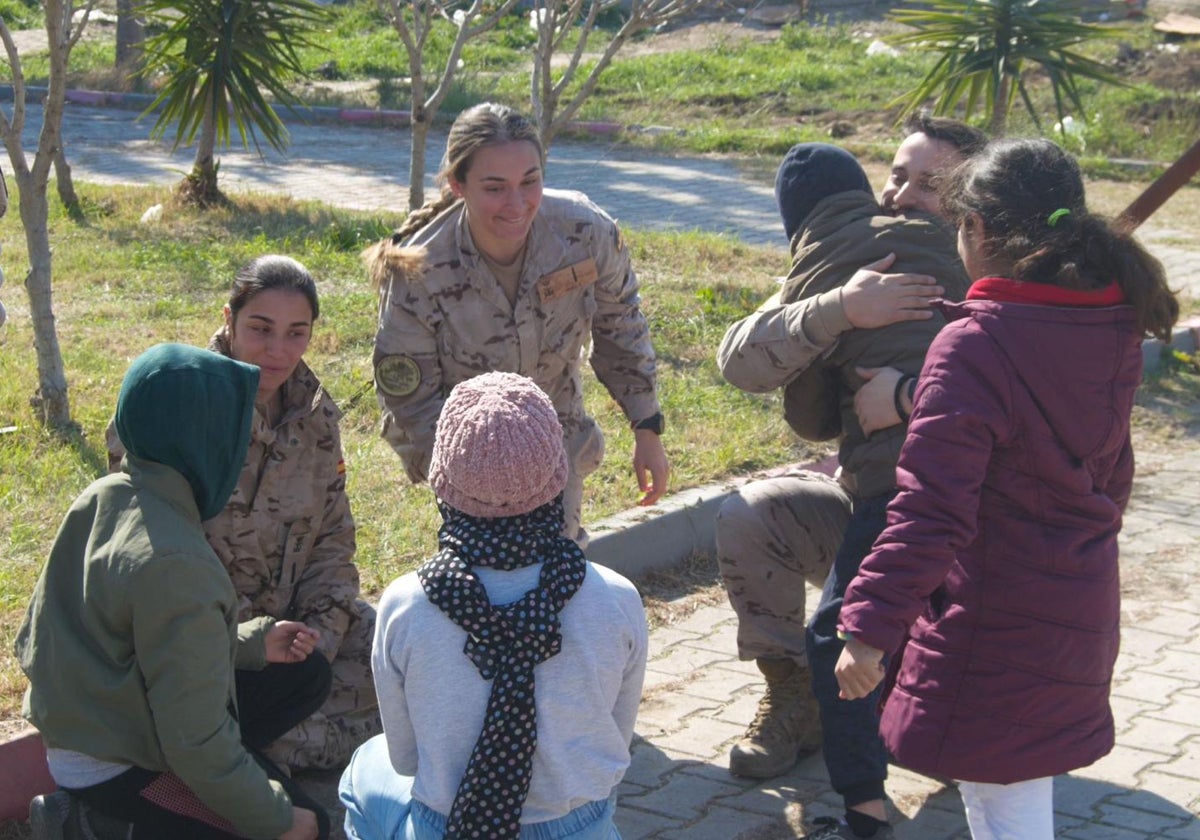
x=508, y=668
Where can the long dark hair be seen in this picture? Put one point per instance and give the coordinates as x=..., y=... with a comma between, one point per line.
x=272, y=271
x=1029, y=193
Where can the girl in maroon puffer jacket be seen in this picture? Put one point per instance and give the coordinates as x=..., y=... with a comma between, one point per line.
x=994, y=588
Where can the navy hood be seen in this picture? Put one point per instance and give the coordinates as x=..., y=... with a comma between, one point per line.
x=810, y=172
x=190, y=409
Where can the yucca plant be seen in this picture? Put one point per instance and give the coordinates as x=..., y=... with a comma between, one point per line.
x=219, y=57
x=985, y=47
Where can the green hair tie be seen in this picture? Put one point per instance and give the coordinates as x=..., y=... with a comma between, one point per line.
x=1053, y=218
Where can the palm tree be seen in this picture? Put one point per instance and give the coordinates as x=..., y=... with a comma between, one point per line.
x=985, y=46
x=219, y=56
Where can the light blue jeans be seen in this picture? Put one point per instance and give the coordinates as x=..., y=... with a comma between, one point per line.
x=379, y=806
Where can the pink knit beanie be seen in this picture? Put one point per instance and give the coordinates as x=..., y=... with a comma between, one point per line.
x=499, y=447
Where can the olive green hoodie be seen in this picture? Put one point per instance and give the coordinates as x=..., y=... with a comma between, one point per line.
x=130, y=641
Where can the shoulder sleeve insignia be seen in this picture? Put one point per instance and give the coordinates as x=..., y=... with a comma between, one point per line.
x=397, y=376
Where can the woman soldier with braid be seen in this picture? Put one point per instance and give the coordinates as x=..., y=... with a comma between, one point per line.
x=499, y=273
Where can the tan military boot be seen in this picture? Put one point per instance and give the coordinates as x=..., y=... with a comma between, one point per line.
x=787, y=725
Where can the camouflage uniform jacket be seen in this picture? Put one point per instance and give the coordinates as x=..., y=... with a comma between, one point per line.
x=444, y=318
x=286, y=535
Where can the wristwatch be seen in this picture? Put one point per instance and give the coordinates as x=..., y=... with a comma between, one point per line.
x=653, y=423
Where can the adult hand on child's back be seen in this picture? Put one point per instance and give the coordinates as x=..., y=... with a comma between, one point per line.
x=304, y=825
x=875, y=401
x=859, y=669
x=290, y=641
x=872, y=299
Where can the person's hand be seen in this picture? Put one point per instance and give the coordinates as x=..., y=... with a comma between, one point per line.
x=290, y=641
x=875, y=401
x=873, y=299
x=650, y=466
x=859, y=669
x=304, y=825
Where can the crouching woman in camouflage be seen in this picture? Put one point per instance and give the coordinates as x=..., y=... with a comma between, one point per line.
x=286, y=536
x=499, y=274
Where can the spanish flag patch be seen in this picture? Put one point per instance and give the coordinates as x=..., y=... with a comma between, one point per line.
x=341, y=466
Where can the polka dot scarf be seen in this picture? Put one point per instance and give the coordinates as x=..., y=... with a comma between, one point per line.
x=505, y=643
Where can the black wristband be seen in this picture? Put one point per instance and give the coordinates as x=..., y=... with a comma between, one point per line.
x=903, y=382
x=653, y=423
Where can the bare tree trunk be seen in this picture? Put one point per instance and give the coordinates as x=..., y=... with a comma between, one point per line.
x=413, y=21
x=129, y=37
x=416, y=163
x=51, y=401
x=579, y=18
x=65, y=183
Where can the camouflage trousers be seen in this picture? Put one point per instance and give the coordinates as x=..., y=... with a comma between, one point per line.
x=349, y=716
x=774, y=536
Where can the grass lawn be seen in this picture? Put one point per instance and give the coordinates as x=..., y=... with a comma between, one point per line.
x=121, y=286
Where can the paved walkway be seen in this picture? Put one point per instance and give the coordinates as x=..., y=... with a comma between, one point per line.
x=698, y=696
x=366, y=168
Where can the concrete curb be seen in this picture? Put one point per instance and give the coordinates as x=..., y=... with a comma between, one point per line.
x=379, y=117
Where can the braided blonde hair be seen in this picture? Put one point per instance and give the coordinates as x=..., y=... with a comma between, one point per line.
x=485, y=124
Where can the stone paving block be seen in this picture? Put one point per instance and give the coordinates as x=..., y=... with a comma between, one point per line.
x=1151, y=732
x=720, y=686
x=640, y=825
x=1099, y=831
x=656, y=681
x=1148, y=801
x=1144, y=644
x=1183, y=664
x=1186, y=765
x=1153, y=688
x=700, y=737
x=720, y=823
x=1063, y=824
x=741, y=710
x=1077, y=796
x=1184, y=709
x=932, y=824
x=1126, y=710
x=669, y=711
x=738, y=666
x=683, y=796
x=708, y=619
x=649, y=766
x=1121, y=766
x=910, y=792
x=722, y=638
x=718, y=771
x=1180, y=623
x=662, y=638
x=684, y=661
x=771, y=799
x=1136, y=819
